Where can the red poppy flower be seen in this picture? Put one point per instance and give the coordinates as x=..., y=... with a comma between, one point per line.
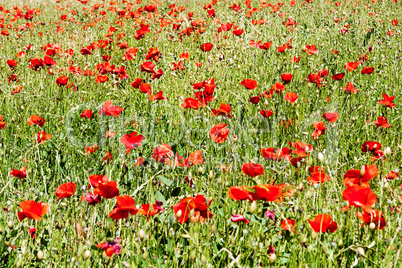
x=255, y=99
x=310, y=49
x=194, y=159
x=278, y=87
x=266, y=113
x=22, y=174
x=132, y=140
x=206, y=47
x=392, y=175
x=265, y=46
x=291, y=97
x=32, y=210
x=177, y=66
x=318, y=177
x=323, y=223
x=124, y=207
x=373, y=216
x=295, y=59
x=288, y=224
x=360, y=177
x=101, y=79
x=12, y=64
x=268, y=192
x=137, y=82
x=86, y=114
x=42, y=136
x=239, y=218
x=224, y=110
x=319, y=129
x=339, y=76
x=367, y=70
x=331, y=117
x=96, y=180
x=351, y=66
x=163, y=152
x=107, y=190
x=387, y=101
x=252, y=169
x=146, y=88
x=238, y=32
x=249, y=84
x=191, y=103
x=157, y=96
x=62, y=81
x=350, y=88
x=65, y=190
x=109, y=109
x=370, y=146
x=242, y=193
x=198, y=204
x=146, y=210
x=286, y=78
x=359, y=196
x=148, y=67
x=2, y=123
x=219, y=133
x=90, y=149
x=382, y=122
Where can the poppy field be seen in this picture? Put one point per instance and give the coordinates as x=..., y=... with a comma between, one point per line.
x=200, y=133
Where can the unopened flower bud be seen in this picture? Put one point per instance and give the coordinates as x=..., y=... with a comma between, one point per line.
x=211, y=174
x=200, y=170
x=141, y=234
x=179, y=213
x=362, y=171
x=272, y=258
x=372, y=226
x=360, y=251
x=87, y=254
x=253, y=207
x=39, y=255
x=320, y=157
x=387, y=151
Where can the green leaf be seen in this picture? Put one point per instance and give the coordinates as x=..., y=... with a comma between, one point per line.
x=165, y=180
x=159, y=196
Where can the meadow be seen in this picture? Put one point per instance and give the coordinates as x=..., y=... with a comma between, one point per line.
x=200, y=134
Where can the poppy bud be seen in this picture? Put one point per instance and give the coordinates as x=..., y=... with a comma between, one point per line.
x=272, y=258
x=320, y=157
x=360, y=251
x=362, y=171
x=211, y=174
x=200, y=170
x=203, y=259
x=191, y=214
x=19, y=263
x=171, y=232
x=39, y=255
x=234, y=138
x=141, y=234
x=179, y=213
x=10, y=224
x=193, y=255
x=300, y=187
x=387, y=151
x=145, y=255
x=253, y=207
x=372, y=226
x=22, y=107
x=325, y=247
x=87, y=254
x=340, y=242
